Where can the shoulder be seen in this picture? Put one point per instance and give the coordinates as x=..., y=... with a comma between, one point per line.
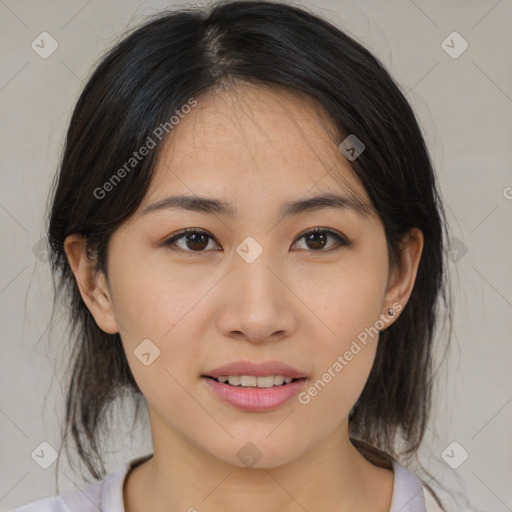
x=44, y=505
x=409, y=494
x=105, y=495
x=85, y=500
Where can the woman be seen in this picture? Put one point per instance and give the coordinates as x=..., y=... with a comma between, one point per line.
x=247, y=228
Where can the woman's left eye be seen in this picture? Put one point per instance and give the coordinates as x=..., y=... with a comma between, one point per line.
x=318, y=238
x=197, y=240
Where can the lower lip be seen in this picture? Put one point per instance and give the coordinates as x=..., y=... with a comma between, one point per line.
x=253, y=398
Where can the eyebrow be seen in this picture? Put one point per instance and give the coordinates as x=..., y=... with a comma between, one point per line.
x=218, y=206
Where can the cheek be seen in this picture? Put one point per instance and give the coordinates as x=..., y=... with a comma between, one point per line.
x=151, y=302
x=347, y=297
x=342, y=365
x=150, y=305
x=349, y=304
x=328, y=400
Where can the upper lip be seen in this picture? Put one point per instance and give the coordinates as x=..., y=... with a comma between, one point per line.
x=256, y=369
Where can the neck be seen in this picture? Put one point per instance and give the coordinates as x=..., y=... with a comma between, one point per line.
x=333, y=476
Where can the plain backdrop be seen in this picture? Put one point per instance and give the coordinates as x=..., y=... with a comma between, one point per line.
x=464, y=104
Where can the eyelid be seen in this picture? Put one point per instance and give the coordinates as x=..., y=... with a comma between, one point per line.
x=170, y=240
x=343, y=241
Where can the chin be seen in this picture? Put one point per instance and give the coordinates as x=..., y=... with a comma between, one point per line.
x=256, y=452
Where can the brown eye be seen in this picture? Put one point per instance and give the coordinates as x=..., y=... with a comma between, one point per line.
x=317, y=239
x=194, y=240
x=197, y=241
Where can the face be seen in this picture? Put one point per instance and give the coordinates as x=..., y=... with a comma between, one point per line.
x=250, y=285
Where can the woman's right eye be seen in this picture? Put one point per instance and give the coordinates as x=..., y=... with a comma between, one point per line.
x=196, y=240
x=193, y=240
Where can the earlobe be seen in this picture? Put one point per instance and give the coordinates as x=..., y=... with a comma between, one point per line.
x=402, y=280
x=92, y=285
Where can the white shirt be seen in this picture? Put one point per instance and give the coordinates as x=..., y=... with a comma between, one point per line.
x=107, y=495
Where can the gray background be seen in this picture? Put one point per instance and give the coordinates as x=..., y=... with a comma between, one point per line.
x=465, y=108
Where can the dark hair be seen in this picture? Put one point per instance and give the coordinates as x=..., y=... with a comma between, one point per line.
x=185, y=54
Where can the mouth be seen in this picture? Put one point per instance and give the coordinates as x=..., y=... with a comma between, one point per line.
x=253, y=381
x=254, y=387
x=251, y=393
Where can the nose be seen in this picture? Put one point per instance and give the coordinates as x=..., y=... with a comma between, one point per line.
x=257, y=304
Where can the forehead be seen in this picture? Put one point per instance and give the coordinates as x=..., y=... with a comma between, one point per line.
x=265, y=140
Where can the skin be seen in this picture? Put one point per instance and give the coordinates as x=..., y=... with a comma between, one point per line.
x=255, y=148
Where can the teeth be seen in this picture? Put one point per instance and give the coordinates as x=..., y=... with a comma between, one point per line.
x=234, y=380
x=251, y=381
x=246, y=380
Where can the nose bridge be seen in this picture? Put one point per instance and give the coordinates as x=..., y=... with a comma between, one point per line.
x=253, y=264
x=255, y=303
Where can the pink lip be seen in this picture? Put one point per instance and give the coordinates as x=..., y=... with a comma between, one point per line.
x=252, y=398
x=259, y=370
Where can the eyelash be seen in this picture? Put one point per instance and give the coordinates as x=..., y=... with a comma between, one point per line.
x=342, y=241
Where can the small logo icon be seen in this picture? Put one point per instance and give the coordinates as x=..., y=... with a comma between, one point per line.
x=40, y=250
x=351, y=147
x=249, y=249
x=454, y=455
x=454, y=45
x=44, y=455
x=146, y=352
x=44, y=45
x=249, y=455
x=507, y=192
x=457, y=250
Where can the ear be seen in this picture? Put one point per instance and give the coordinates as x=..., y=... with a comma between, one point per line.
x=92, y=285
x=401, y=281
